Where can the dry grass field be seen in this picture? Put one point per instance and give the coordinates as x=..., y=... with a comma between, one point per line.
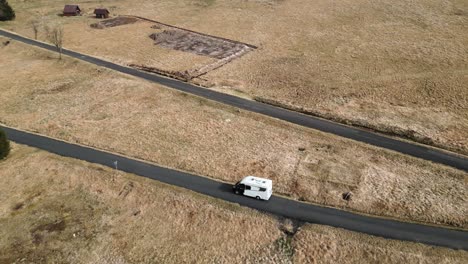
x=78, y=102
x=322, y=244
x=60, y=210
x=124, y=44
x=131, y=43
x=394, y=66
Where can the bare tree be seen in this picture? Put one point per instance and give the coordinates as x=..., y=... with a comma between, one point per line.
x=35, y=25
x=55, y=36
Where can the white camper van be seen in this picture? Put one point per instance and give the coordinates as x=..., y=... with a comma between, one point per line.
x=256, y=187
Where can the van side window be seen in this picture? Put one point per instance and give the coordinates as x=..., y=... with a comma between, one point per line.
x=263, y=189
x=255, y=188
x=247, y=187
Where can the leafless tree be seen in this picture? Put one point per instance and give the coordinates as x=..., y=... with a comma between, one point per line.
x=55, y=36
x=35, y=25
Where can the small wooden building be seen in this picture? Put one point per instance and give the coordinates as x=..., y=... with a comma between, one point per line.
x=71, y=10
x=101, y=13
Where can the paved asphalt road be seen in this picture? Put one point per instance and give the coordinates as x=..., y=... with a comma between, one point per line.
x=276, y=205
x=368, y=137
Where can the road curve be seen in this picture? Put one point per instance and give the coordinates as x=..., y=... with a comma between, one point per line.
x=386, y=228
x=412, y=149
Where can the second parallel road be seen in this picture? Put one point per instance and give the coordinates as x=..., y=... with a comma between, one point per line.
x=412, y=149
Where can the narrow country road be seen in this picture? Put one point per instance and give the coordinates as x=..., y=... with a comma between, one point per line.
x=431, y=235
x=412, y=149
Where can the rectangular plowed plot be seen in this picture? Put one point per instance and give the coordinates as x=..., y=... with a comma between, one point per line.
x=114, y=22
x=196, y=43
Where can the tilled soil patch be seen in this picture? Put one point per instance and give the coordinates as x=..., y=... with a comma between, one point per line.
x=184, y=40
x=114, y=22
x=197, y=43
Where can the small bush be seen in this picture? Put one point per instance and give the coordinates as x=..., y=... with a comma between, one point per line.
x=6, y=12
x=4, y=145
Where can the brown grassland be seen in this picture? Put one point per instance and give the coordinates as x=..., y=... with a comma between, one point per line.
x=394, y=66
x=322, y=244
x=78, y=102
x=61, y=210
x=125, y=44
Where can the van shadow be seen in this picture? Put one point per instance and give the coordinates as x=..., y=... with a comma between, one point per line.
x=225, y=187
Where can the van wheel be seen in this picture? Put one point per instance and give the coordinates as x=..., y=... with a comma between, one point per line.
x=236, y=191
x=258, y=197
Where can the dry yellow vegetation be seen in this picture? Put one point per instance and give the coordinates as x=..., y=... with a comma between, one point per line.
x=322, y=244
x=61, y=210
x=55, y=209
x=395, y=66
x=78, y=102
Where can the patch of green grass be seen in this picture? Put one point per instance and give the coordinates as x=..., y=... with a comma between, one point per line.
x=284, y=245
x=205, y=3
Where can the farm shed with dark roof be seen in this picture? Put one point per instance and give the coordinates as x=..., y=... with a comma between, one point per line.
x=71, y=10
x=101, y=13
